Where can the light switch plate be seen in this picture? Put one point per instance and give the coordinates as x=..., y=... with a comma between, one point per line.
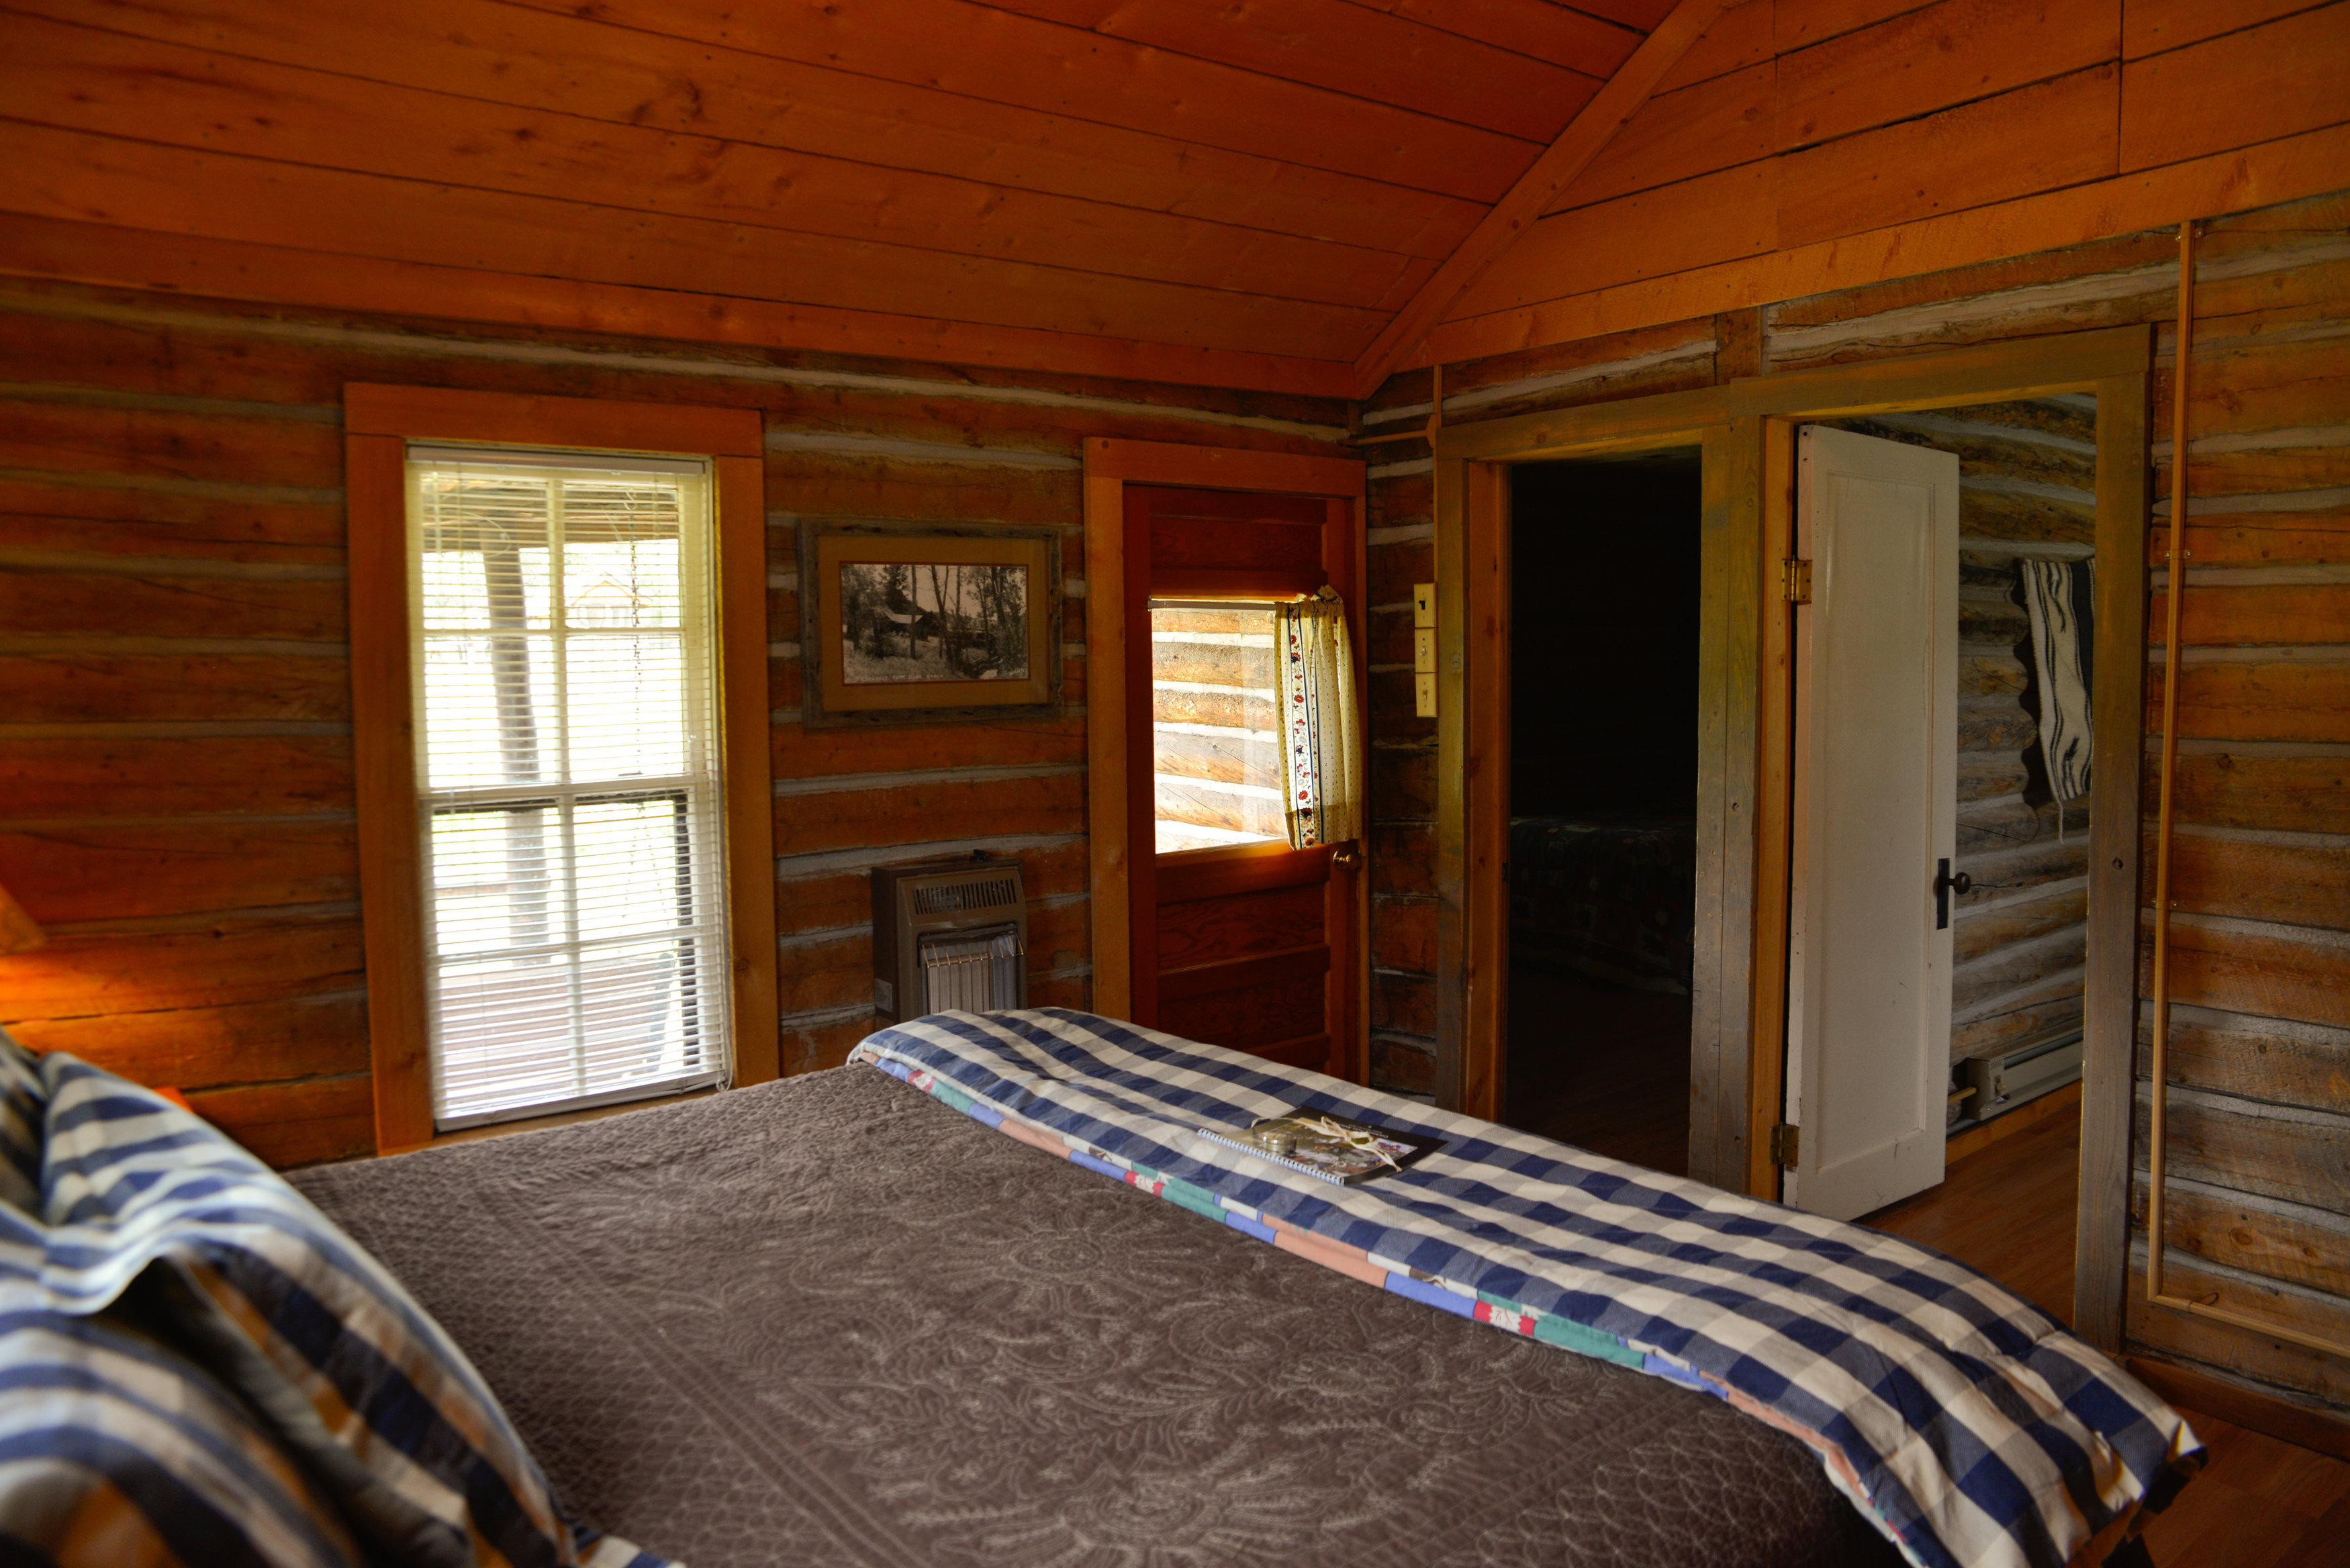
x=1423, y=650
x=1423, y=604
x=1423, y=690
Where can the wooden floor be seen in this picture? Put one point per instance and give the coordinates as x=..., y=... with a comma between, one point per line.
x=2260, y=1502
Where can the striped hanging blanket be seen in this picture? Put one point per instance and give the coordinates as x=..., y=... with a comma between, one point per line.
x=2059, y=596
x=1970, y=1428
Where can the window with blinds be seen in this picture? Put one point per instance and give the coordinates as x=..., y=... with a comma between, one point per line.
x=569, y=772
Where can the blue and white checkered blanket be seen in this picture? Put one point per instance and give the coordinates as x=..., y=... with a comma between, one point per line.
x=1974, y=1432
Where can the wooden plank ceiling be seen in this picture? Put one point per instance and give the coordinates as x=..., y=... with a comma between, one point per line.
x=1243, y=190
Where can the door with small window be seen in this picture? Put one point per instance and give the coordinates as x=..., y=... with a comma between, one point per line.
x=1244, y=677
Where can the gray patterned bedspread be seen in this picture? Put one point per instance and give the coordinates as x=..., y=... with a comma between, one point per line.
x=830, y=1321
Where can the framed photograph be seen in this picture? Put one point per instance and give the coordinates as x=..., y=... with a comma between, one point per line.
x=909, y=622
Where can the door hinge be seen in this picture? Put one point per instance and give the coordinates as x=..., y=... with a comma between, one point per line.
x=1786, y=1145
x=1795, y=581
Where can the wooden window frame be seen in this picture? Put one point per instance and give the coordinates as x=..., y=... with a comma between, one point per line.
x=1745, y=429
x=1111, y=801
x=378, y=421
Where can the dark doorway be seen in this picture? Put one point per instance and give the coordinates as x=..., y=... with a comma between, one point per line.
x=1603, y=802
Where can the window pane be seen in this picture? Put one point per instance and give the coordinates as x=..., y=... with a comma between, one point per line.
x=486, y=545
x=495, y=882
x=627, y=698
x=634, y=859
x=1215, y=756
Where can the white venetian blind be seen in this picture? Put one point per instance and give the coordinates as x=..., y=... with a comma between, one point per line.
x=568, y=768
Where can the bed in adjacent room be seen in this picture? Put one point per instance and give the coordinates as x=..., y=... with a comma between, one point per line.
x=1606, y=895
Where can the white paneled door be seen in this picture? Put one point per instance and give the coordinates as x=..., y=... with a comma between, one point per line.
x=1875, y=828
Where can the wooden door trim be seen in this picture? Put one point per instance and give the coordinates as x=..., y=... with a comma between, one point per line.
x=2117, y=749
x=1740, y=427
x=1110, y=466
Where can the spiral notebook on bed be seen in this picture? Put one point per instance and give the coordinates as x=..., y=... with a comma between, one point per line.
x=1335, y=1148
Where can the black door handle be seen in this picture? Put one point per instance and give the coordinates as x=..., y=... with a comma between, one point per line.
x=1944, y=886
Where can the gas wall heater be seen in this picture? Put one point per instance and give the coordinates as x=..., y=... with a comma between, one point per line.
x=948, y=934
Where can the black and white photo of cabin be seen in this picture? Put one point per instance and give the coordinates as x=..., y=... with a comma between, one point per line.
x=932, y=620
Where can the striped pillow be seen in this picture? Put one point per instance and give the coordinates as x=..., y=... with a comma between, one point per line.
x=356, y=1378
x=22, y=1099
x=117, y=1452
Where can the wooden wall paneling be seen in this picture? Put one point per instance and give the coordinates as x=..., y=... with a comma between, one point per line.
x=2296, y=884
x=74, y=871
x=2108, y=1049
x=442, y=413
x=998, y=57
x=1375, y=53
x=2048, y=134
x=2285, y=170
x=2250, y=786
x=231, y=197
x=111, y=84
x=1569, y=153
x=1676, y=136
x=290, y=276
x=2295, y=1242
x=1934, y=56
x=741, y=492
x=392, y=871
x=1951, y=377
x=2241, y=88
x=979, y=801
x=546, y=60
x=2270, y=972
x=1454, y=969
x=2151, y=26
x=1775, y=741
x=1723, y=1043
x=1485, y=639
x=1709, y=218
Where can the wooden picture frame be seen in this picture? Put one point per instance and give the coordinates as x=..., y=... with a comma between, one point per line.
x=896, y=626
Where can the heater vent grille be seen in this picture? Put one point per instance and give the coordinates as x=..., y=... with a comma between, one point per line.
x=966, y=897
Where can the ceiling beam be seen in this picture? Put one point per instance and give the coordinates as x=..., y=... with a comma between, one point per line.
x=1566, y=157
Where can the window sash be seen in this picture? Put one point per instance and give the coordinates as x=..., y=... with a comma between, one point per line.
x=580, y=1016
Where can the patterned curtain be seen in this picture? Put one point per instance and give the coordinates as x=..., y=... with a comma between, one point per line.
x=1322, y=739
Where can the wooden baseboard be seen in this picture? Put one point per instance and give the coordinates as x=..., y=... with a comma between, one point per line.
x=2056, y=1102
x=2240, y=1406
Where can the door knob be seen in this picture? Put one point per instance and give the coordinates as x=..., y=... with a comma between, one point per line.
x=1944, y=886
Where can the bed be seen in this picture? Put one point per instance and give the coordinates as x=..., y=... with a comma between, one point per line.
x=844, y=1319
x=1606, y=895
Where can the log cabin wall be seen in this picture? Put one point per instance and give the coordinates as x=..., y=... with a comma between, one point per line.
x=2260, y=1097
x=175, y=755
